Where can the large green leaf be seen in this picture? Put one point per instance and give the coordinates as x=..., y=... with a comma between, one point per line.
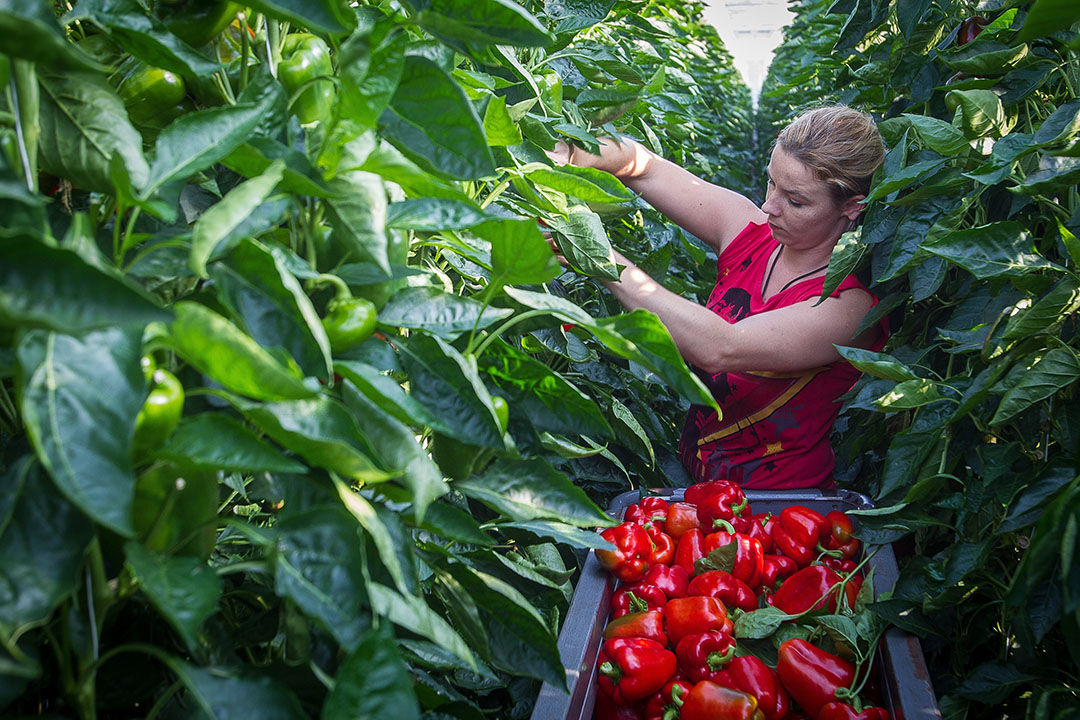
x=256, y=157
x=184, y=590
x=1048, y=16
x=580, y=14
x=1044, y=377
x=997, y=249
x=197, y=140
x=449, y=386
x=221, y=693
x=215, y=441
x=83, y=124
x=550, y=402
x=588, y=184
x=434, y=214
x=79, y=398
x=982, y=113
x=226, y=354
x=321, y=430
x=319, y=565
x=413, y=614
x=880, y=365
x=1047, y=312
x=42, y=543
x=220, y=219
x=532, y=490
x=369, y=78
x=373, y=681
x=519, y=253
x=584, y=243
x=455, y=146
x=358, y=216
x=387, y=394
x=143, y=35
x=483, y=22
x=270, y=302
x=325, y=15
x=53, y=288
x=439, y=313
x=29, y=30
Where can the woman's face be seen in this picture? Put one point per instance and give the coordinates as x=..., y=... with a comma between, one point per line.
x=802, y=211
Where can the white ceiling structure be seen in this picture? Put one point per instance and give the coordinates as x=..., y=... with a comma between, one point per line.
x=751, y=30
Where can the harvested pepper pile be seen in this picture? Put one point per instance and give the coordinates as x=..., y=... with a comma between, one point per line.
x=721, y=614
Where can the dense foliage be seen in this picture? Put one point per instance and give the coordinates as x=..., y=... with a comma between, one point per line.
x=220, y=494
x=966, y=430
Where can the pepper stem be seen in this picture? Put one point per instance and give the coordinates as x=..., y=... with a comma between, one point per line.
x=343, y=291
x=611, y=670
x=718, y=660
x=737, y=509
x=723, y=525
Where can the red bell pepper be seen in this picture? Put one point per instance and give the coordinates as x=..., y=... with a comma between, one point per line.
x=843, y=711
x=681, y=517
x=692, y=615
x=760, y=527
x=709, y=701
x=811, y=675
x=798, y=533
x=697, y=492
x=607, y=709
x=844, y=567
x=632, y=669
x=839, y=537
x=650, y=510
x=775, y=568
x=629, y=560
x=690, y=549
x=637, y=597
x=724, y=501
x=738, y=554
x=648, y=625
x=664, y=705
x=812, y=587
x=663, y=551
x=726, y=588
x=750, y=675
x=673, y=579
x=703, y=655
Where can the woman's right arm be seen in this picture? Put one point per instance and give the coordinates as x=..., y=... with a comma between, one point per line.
x=710, y=212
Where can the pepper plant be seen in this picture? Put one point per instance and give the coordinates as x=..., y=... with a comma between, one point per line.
x=965, y=430
x=275, y=534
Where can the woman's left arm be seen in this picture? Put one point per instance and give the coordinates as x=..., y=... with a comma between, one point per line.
x=796, y=337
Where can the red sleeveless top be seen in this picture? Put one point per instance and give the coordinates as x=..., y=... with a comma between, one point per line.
x=774, y=432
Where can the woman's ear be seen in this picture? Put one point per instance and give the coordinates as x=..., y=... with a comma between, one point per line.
x=853, y=207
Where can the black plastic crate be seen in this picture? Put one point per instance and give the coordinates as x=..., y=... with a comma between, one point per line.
x=905, y=681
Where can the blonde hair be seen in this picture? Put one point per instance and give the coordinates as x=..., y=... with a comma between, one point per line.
x=841, y=145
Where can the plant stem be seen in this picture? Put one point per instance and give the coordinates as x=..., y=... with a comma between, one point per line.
x=24, y=99
x=504, y=327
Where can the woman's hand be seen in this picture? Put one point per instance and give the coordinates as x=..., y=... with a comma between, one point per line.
x=621, y=157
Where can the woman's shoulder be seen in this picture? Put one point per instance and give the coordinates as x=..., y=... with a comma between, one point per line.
x=751, y=240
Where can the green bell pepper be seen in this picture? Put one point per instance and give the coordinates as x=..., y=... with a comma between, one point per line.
x=160, y=412
x=149, y=92
x=305, y=57
x=196, y=22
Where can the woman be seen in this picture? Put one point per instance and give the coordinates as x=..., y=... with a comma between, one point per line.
x=763, y=343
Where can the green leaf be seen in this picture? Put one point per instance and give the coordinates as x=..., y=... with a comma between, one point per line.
x=456, y=147
x=1045, y=376
x=483, y=22
x=557, y=306
x=997, y=249
x=584, y=243
x=845, y=259
x=759, y=623
x=987, y=57
x=83, y=124
x=1047, y=312
x=365, y=514
x=271, y=304
x=144, y=36
x=29, y=30
x=433, y=215
x=358, y=216
x=880, y=365
x=197, y=140
x=439, y=313
x=396, y=446
x=1048, y=16
x=386, y=393
x=42, y=286
x=413, y=614
x=214, y=441
x=546, y=398
x=519, y=253
x=499, y=128
x=184, y=590
x=1060, y=126
x=938, y=135
x=373, y=681
x=577, y=15
x=368, y=78
x=320, y=430
x=42, y=543
x=79, y=398
x=221, y=218
x=902, y=179
x=219, y=693
x=981, y=111
x=449, y=386
x=588, y=184
x=299, y=176
x=532, y=490
x=327, y=16
x=1054, y=174
x=558, y=532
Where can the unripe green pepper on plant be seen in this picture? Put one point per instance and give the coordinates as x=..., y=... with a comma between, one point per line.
x=196, y=22
x=160, y=412
x=349, y=322
x=149, y=93
x=305, y=57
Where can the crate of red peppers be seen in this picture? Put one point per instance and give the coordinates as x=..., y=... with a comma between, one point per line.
x=713, y=604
